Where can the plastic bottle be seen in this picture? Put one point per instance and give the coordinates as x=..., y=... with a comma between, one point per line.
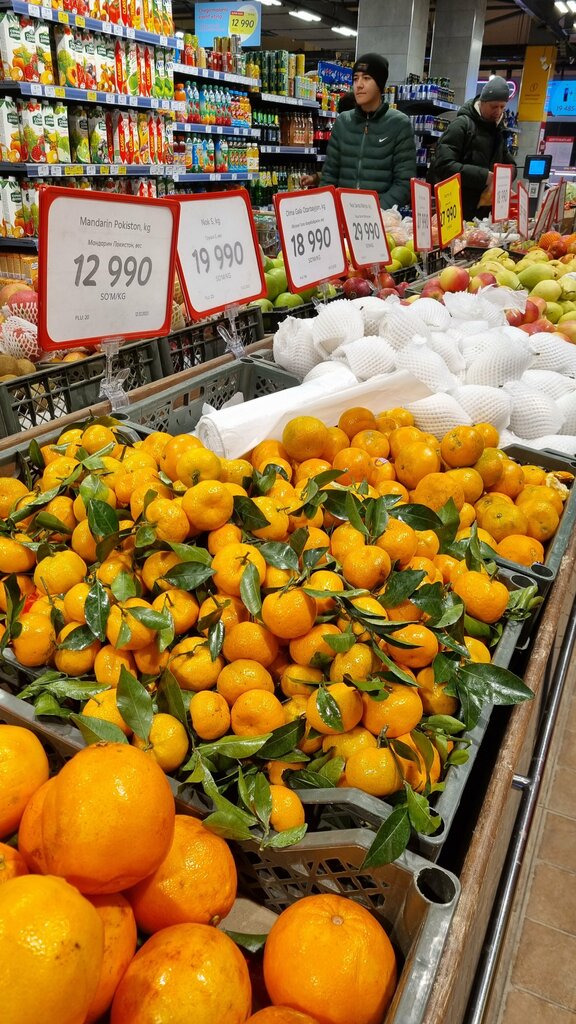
x=210, y=155
x=203, y=106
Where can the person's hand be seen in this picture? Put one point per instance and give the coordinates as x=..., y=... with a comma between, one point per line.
x=310, y=180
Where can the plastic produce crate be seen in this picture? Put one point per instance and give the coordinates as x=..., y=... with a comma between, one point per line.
x=194, y=345
x=412, y=899
x=274, y=317
x=61, y=388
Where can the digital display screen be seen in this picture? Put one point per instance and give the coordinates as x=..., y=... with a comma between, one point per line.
x=537, y=167
x=561, y=98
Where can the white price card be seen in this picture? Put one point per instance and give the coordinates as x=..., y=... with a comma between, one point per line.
x=218, y=259
x=560, y=202
x=523, y=210
x=106, y=267
x=310, y=236
x=421, y=193
x=545, y=213
x=362, y=220
x=501, y=188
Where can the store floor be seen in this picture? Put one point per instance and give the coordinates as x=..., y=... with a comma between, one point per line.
x=540, y=982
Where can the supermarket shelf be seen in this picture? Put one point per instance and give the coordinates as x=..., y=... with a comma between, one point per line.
x=327, y=113
x=19, y=243
x=217, y=176
x=90, y=170
x=429, y=131
x=289, y=101
x=62, y=92
x=296, y=150
x=215, y=129
x=65, y=18
x=320, y=158
x=216, y=76
x=426, y=105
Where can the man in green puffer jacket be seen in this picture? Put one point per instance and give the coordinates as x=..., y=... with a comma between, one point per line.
x=372, y=147
x=472, y=144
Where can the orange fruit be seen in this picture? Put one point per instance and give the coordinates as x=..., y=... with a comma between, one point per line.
x=446, y=564
x=23, y=769
x=393, y=487
x=433, y=575
x=542, y=519
x=534, y=476
x=11, y=489
x=299, y=680
x=329, y=582
x=521, y=549
x=289, y=613
x=328, y=956
x=382, y=471
x=137, y=635
x=398, y=540
x=195, y=882
x=434, y=700
x=229, y=564
x=470, y=481
x=280, y=1015
x=241, y=676
x=511, y=479
x=422, y=653
x=36, y=642
x=435, y=489
x=104, y=706
x=401, y=436
x=336, y=441
x=95, y=437
x=208, y=980
x=349, y=702
x=209, y=714
x=355, y=665
x=230, y=608
x=304, y=437
x=372, y=441
x=483, y=598
x=467, y=515
x=183, y=608
x=255, y=713
x=310, y=468
x=30, y=841
x=142, y=491
x=304, y=649
x=403, y=417
x=268, y=450
x=400, y=712
x=192, y=665
x=352, y=421
x=107, y=819
x=344, y=538
x=227, y=534
x=58, y=573
x=415, y=461
x=108, y=664
x=354, y=463
x=12, y=863
x=489, y=465
x=250, y=640
x=150, y=661
x=167, y=743
x=415, y=774
x=537, y=492
x=287, y=808
x=427, y=544
x=489, y=434
x=25, y=586
x=119, y=947
x=74, y=663
x=461, y=446
x=373, y=770
x=501, y=519
x=347, y=743
x=198, y=464
x=168, y=519
x=51, y=950
x=208, y=505
x=477, y=650
x=367, y=566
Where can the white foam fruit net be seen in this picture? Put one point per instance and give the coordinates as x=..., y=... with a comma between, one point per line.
x=448, y=350
x=401, y=326
x=335, y=373
x=567, y=406
x=19, y=338
x=293, y=347
x=433, y=313
x=501, y=361
x=550, y=383
x=372, y=309
x=560, y=443
x=419, y=360
x=533, y=413
x=470, y=306
x=367, y=357
x=336, y=323
x=552, y=353
x=485, y=404
x=438, y=413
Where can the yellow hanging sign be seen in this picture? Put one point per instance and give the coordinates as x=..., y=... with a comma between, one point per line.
x=538, y=69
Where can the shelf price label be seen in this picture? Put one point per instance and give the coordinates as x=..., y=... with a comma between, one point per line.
x=242, y=22
x=448, y=195
x=362, y=220
x=106, y=267
x=421, y=214
x=218, y=258
x=523, y=210
x=310, y=236
x=501, y=188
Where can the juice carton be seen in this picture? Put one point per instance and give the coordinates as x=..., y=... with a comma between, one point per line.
x=133, y=140
x=157, y=16
x=132, y=83
x=42, y=39
x=141, y=65
x=109, y=136
x=167, y=19
x=78, y=50
x=120, y=66
x=169, y=75
x=104, y=82
x=168, y=140
x=111, y=63
x=79, y=138
x=13, y=221
x=97, y=136
x=32, y=131
x=143, y=137
x=18, y=48
x=152, y=138
x=90, y=63
x=120, y=131
x=138, y=15
x=149, y=70
x=113, y=9
x=159, y=72
x=10, y=138
x=29, y=196
x=62, y=137
x=66, y=56
x=160, y=139
x=148, y=15
x=50, y=134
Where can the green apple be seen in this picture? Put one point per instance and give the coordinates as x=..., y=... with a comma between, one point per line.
x=286, y=300
x=276, y=282
x=265, y=305
x=403, y=255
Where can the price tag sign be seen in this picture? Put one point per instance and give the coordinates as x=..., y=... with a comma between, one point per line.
x=218, y=258
x=560, y=202
x=523, y=210
x=310, y=236
x=421, y=214
x=545, y=213
x=449, y=209
x=106, y=267
x=362, y=219
x=242, y=23
x=501, y=188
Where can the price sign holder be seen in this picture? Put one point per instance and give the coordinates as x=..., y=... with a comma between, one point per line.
x=105, y=272
x=421, y=193
x=545, y=213
x=523, y=207
x=361, y=219
x=311, y=238
x=559, y=204
x=448, y=196
x=218, y=257
x=502, y=186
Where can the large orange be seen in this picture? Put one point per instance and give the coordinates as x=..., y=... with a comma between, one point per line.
x=51, y=948
x=281, y=1015
x=23, y=769
x=30, y=842
x=108, y=819
x=119, y=947
x=12, y=863
x=327, y=956
x=189, y=972
x=195, y=883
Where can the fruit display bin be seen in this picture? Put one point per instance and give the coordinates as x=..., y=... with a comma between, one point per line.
x=201, y=342
x=413, y=900
x=60, y=388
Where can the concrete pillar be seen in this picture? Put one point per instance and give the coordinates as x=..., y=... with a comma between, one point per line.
x=457, y=44
x=398, y=30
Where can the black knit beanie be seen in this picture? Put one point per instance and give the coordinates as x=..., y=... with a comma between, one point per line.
x=374, y=65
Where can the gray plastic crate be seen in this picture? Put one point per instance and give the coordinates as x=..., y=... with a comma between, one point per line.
x=412, y=899
x=196, y=344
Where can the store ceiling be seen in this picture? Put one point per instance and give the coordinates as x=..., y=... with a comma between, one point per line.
x=510, y=25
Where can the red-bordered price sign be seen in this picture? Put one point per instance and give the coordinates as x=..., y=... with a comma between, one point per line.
x=501, y=188
x=361, y=217
x=546, y=212
x=448, y=195
x=310, y=235
x=560, y=201
x=218, y=259
x=421, y=193
x=105, y=268
x=523, y=210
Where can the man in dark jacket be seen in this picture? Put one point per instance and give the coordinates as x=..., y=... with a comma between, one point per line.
x=472, y=144
x=372, y=147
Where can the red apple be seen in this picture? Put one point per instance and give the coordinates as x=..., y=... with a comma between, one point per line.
x=385, y=280
x=538, y=327
x=568, y=331
x=432, y=290
x=402, y=287
x=540, y=304
x=454, y=279
x=481, y=280
x=557, y=249
x=385, y=292
x=356, y=288
x=532, y=311
x=516, y=318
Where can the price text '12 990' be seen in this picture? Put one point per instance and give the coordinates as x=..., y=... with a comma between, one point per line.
x=130, y=269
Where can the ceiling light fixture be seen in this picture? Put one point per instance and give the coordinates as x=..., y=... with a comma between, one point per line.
x=561, y=6
x=305, y=15
x=342, y=30
x=271, y=3
x=571, y=6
